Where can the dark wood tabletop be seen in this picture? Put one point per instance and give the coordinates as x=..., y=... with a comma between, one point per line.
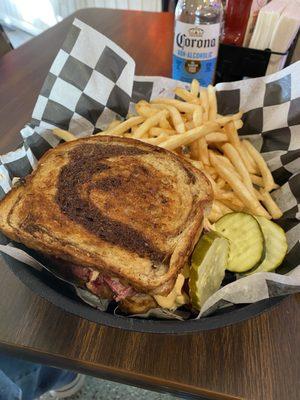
x=257, y=360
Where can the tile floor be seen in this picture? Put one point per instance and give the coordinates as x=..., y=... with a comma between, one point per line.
x=99, y=389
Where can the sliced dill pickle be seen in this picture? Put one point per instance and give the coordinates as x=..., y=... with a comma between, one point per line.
x=208, y=265
x=275, y=245
x=245, y=238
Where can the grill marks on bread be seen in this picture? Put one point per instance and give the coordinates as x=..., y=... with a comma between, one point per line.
x=86, y=162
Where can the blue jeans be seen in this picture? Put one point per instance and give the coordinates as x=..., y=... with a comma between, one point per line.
x=23, y=380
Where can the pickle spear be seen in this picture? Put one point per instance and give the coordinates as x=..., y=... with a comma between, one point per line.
x=208, y=265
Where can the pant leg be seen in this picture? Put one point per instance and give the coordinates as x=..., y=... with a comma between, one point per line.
x=32, y=380
x=8, y=389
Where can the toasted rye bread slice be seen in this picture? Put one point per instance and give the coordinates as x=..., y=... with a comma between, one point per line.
x=117, y=205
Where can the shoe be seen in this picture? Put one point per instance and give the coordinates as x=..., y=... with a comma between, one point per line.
x=65, y=391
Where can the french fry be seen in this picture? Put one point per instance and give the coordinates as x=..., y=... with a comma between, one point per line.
x=220, y=183
x=143, y=103
x=216, y=137
x=155, y=141
x=210, y=169
x=249, y=160
x=224, y=195
x=194, y=150
x=198, y=116
x=215, y=213
x=186, y=96
x=270, y=204
x=201, y=145
x=195, y=87
x=233, y=170
x=149, y=123
x=223, y=120
x=226, y=187
x=65, y=135
x=226, y=162
x=189, y=116
x=175, y=116
x=203, y=150
x=233, y=138
x=122, y=127
x=233, y=155
x=180, y=105
x=239, y=188
x=258, y=194
x=257, y=180
x=262, y=165
x=212, y=101
x=204, y=103
x=224, y=209
x=234, y=205
x=232, y=134
x=145, y=111
x=231, y=199
x=113, y=124
x=198, y=164
x=238, y=123
x=189, y=125
x=155, y=131
x=217, y=146
x=194, y=134
x=164, y=124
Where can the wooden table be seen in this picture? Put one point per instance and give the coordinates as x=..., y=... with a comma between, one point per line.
x=258, y=359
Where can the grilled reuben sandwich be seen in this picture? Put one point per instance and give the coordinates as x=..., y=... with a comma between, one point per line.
x=122, y=215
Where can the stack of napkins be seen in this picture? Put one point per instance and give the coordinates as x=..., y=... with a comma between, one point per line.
x=284, y=34
x=277, y=25
x=267, y=20
x=253, y=15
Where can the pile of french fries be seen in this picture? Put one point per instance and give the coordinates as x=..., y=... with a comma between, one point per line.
x=192, y=127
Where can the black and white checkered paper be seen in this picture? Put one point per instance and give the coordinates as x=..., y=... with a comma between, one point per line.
x=91, y=82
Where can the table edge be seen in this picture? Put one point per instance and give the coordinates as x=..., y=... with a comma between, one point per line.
x=114, y=374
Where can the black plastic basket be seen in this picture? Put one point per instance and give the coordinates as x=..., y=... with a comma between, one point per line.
x=61, y=295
